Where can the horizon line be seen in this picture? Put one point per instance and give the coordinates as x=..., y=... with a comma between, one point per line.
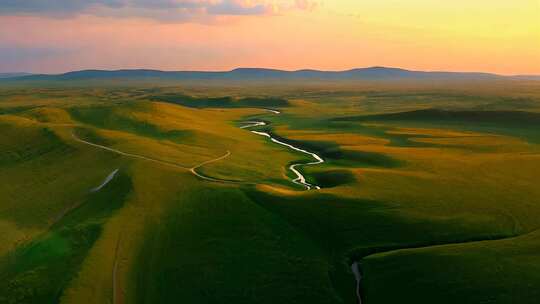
x=275, y=69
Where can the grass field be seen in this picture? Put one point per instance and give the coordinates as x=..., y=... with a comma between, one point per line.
x=431, y=189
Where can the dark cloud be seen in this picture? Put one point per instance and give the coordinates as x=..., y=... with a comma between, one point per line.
x=54, y=6
x=156, y=9
x=236, y=8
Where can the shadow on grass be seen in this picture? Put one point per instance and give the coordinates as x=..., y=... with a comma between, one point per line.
x=39, y=271
x=221, y=102
x=513, y=123
x=106, y=118
x=349, y=229
x=332, y=153
x=332, y=178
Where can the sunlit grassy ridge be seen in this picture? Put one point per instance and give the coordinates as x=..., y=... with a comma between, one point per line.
x=421, y=203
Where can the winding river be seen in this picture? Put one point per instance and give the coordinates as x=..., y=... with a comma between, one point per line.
x=300, y=178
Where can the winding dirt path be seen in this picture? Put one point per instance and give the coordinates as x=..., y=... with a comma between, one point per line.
x=299, y=180
x=208, y=178
x=128, y=154
x=193, y=170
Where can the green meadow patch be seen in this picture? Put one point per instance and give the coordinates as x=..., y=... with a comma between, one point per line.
x=338, y=226
x=513, y=123
x=216, y=245
x=115, y=118
x=39, y=271
x=22, y=144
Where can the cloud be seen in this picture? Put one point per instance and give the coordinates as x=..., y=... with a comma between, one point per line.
x=54, y=7
x=232, y=7
x=168, y=10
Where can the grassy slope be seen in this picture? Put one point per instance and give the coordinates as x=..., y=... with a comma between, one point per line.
x=219, y=246
x=495, y=177
x=504, y=271
x=154, y=187
x=176, y=236
x=37, y=174
x=39, y=271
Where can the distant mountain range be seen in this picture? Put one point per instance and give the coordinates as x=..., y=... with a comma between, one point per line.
x=13, y=75
x=246, y=74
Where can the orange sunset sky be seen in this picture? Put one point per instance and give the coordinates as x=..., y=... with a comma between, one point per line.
x=499, y=36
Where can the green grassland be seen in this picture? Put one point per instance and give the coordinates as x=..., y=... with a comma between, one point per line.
x=431, y=188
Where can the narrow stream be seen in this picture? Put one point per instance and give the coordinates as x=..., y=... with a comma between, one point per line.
x=273, y=111
x=252, y=124
x=300, y=179
x=105, y=182
x=355, y=267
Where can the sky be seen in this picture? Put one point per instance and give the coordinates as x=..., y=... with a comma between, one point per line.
x=55, y=36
